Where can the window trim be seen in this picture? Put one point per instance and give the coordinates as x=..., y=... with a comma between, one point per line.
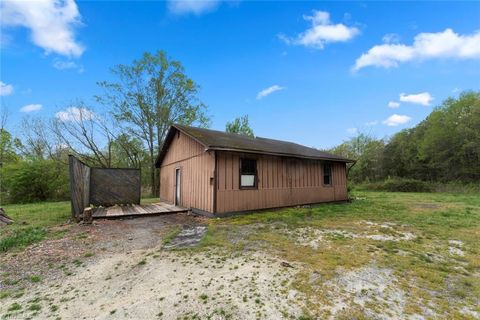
x=330, y=175
x=255, y=180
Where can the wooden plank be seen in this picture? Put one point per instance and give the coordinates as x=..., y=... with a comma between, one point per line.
x=160, y=208
x=128, y=210
x=114, y=211
x=139, y=209
x=99, y=212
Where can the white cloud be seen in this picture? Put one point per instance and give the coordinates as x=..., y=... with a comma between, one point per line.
x=396, y=119
x=75, y=114
x=31, y=108
x=67, y=65
x=51, y=23
x=5, y=89
x=393, y=104
x=391, y=38
x=446, y=44
x=371, y=123
x=321, y=32
x=352, y=130
x=423, y=98
x=268, y=91
x=197, y=7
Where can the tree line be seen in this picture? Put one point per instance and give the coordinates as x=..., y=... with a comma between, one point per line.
x=445, y=147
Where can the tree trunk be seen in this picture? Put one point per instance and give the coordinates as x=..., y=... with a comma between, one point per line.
x=152, y=179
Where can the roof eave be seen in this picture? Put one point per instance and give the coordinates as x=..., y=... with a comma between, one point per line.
x=168, y=138
x=280, y=154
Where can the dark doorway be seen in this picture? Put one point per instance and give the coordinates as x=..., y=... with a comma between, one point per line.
x=177, y=186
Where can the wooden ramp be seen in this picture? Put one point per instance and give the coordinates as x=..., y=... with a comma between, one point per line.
x=136, y=210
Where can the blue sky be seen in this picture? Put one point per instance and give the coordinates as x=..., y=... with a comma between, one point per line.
x=306, y=57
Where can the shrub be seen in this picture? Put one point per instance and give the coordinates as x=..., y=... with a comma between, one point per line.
x=407, y=185
x=37, y=180
x=399, y=185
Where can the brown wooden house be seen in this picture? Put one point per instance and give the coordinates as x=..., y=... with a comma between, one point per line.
x=216, y=173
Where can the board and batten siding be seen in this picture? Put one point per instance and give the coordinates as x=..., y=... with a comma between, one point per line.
x=281, y=182
x=196, y=173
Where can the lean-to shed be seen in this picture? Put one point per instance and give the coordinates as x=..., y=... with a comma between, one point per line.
x=217, y=173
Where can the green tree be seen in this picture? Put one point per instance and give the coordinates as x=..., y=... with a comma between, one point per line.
x=240, y=125
x=450, y=139
x=8, y=144
x=8, y=147
x=128, y=151
x=443, y=147
x=368, y=152
x=150, y=95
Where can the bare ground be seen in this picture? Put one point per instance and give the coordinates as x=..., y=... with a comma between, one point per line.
x=121, y=269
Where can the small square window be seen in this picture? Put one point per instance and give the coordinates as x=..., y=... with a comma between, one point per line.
x=327, y=174
x=248, y=173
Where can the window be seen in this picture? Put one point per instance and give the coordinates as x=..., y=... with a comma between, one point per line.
x=327, y=174
x=248, y=173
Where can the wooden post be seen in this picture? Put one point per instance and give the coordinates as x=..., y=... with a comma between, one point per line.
x=87, y=215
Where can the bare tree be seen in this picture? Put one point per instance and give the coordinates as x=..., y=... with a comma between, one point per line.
x=37, y=138
x=98, y=139
x=85, y=133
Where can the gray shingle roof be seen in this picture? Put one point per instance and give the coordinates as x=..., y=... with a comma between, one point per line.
x=219, y=140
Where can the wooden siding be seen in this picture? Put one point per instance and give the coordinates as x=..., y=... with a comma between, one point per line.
x=79, y=186
x=281, y=182
x=196, y=173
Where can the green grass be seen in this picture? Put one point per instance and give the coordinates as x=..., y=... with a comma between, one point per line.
x=41, y=214
x=35, y=278
x=32, y=222
x=150, y=200
x=14, y=307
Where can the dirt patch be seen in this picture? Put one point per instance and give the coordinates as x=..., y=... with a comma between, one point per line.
x=455, y=248
x=316, y=237
x=367, y=287
x=53, y=259
x=188, y=237
x=147, y=285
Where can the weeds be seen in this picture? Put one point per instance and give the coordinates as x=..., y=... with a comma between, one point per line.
x=22, y=237
x=35, y=278
x=14, y=307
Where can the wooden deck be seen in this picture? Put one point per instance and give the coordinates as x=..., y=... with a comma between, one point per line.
x=136, y=210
